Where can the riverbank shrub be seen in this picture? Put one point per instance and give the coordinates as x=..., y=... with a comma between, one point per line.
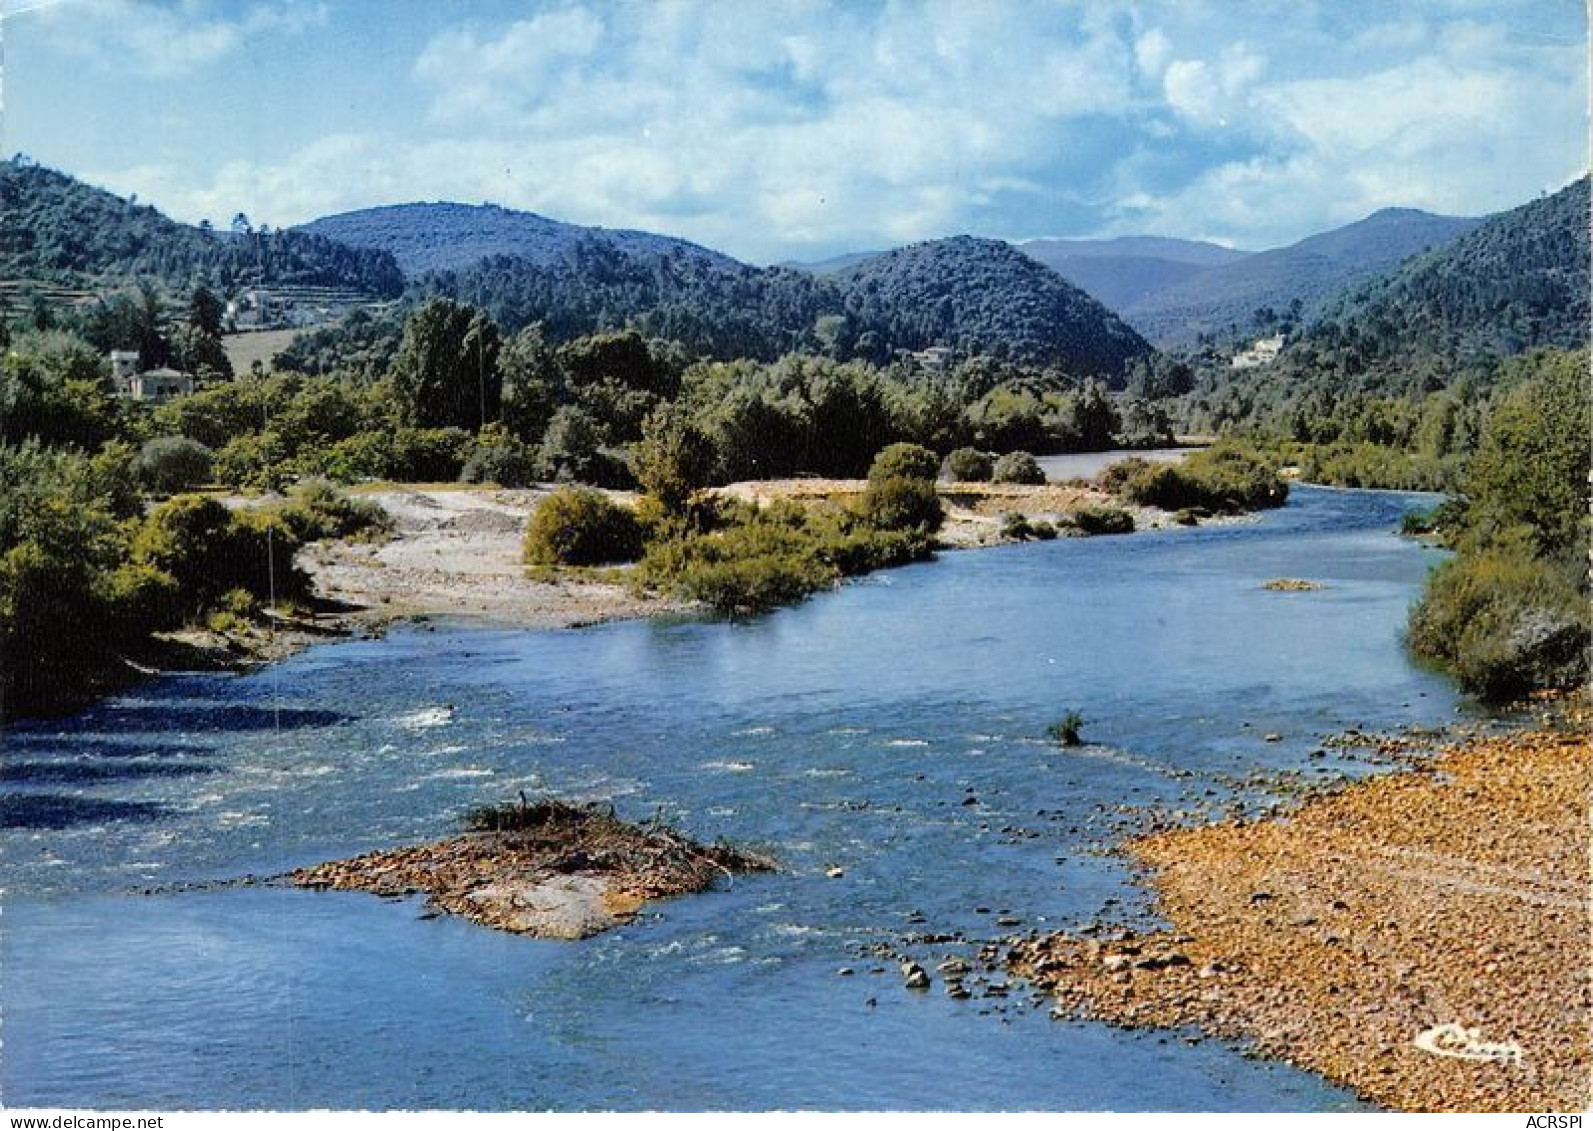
x=970, y=465
x=1091, y=520
x=1018, y=467
x=500, y=459
x=1019, y=528
x=1510, y=613
x=904, y=461
x=1505, y=621
x=208, y=550
x=758, y=559
x=316, y=510
x=1227, y=478
x=581, y=526
x=898, y=503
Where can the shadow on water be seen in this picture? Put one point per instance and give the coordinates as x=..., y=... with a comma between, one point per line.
x=184, y=718
x=70, y=772
x=53, y=811
x=22, y=745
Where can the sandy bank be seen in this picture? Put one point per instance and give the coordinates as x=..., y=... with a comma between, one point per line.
x=455, y=551
x=1446, y=906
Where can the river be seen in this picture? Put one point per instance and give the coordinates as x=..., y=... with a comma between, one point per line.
x=892, y=729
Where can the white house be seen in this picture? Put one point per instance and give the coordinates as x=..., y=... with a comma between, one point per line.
x=147, y=384
x=1261, y=352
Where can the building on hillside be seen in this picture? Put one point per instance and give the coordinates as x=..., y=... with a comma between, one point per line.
x=1261, y=352
x=936, y=359
x=124, y=367
x=137, y=384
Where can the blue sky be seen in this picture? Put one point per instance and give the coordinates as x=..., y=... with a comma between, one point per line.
x=774, y=129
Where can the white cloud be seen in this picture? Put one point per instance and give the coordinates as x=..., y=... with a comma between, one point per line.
x=1461, y=132
x=789, y=126
x=1152, y=52
x=485, y=76
x=165, y=40
x=1208, y=92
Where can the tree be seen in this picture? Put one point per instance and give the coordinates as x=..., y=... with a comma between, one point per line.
x=531, y=384
x=446, y=372
x=674, y=460
x=1532, y=465
x=204, y=311
x=623, y=357
x=572, y=446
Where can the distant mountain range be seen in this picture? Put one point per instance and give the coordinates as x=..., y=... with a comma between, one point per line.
x=1515, y=281
x=1172, y=291
x=1310, y=272
x=976, y=296
x=1129, y=270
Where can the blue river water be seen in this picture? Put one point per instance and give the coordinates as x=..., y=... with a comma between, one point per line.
x=892, y=729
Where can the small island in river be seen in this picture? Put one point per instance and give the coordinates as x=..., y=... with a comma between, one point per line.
x=545, y=868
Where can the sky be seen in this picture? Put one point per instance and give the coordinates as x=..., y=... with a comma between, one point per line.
x=798, y=129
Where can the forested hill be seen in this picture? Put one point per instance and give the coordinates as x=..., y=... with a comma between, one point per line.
x=975, y=296
x=451, y=237
x=1517, y=281
x=55, y=229
x=714, y=305
x=1312, y=272
x=984, y=296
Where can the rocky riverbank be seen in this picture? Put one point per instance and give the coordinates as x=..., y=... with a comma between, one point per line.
x=1421, y=937
x=546, y=869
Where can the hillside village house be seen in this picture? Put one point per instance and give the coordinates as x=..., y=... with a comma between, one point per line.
x=146, y=384
x=1261, y=352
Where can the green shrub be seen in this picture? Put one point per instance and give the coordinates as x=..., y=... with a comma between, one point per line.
x=1065, y=731
x=745, y=569
x=759, y=560
x=508, y=463
x=208, y=550
x=1226, y=478
x=1505, y=621
x=315, y=510
x=1092, y=520
x=168, y=464
x=1016, y=526
x=970, y=465
x=580, y=526
x=362, y=456
x=1018, y=467
x=257, y=459
x=896, y=503
x=429, y=455
x=904, y=461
